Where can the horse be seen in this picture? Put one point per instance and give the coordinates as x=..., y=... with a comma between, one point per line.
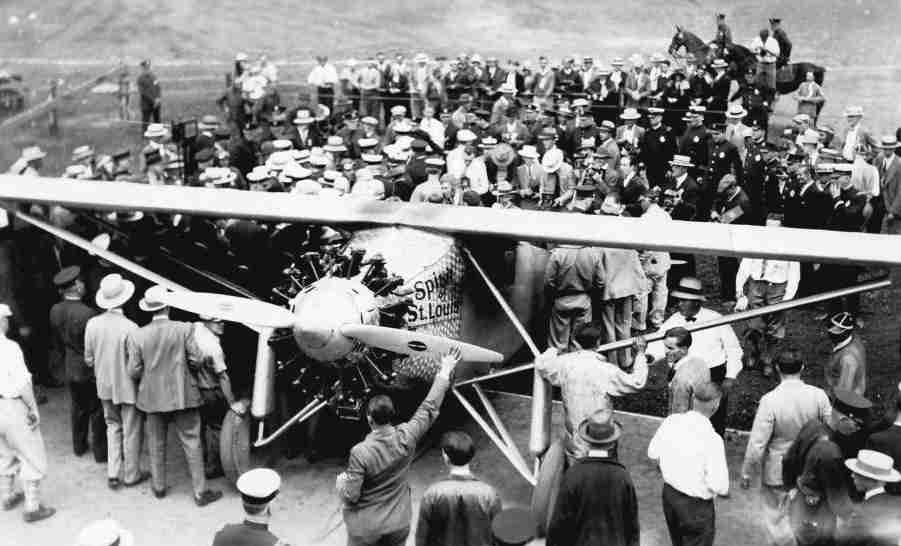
x=740, y=58
x=790, y=77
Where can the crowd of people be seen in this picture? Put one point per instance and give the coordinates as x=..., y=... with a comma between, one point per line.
x=646, y=139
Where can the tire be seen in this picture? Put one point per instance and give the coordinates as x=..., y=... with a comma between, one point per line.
x=234, y=445
x=544, y=496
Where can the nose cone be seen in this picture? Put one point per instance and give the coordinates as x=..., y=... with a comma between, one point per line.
x=310, y=335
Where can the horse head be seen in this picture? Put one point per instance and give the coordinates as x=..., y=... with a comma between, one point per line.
x=677, y=41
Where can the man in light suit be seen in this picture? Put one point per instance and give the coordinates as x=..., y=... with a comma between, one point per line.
x=629, y=135
x=781, y=414
x=889, y=166
x=530, y=176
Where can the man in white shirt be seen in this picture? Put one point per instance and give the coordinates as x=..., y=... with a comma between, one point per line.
x=433, y=127
x=692, y=459
x=324, y=77
x=780, y=415
x=768, y=282
x=767, y=50
x=718, y=347
x=22, y=451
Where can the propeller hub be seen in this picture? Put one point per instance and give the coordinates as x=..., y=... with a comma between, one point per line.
x=322, y=308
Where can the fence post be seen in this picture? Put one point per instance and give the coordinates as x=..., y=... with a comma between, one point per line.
x=123, y=95
x=54, y=115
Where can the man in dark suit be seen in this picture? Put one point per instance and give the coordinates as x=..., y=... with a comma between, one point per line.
x=759, y=176
x=151, y=94
x=374, y=488
x=657, y=147
x=68, y=319
x=724, y=159
x=732, y=207
x=681, y=195
x=888, y=441
x=889, y=167
x=718, y=100
x=597, y=503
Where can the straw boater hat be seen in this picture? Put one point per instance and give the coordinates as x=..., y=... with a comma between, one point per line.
x=888, y=142
x=506, y=89
x=114, y=291
x=853, y=111
x=303, y=117
x=82, y=152
x=156, y=130
x=529, y=152
x=105, y=532
x=874, y=465
x=281, y=145
x=32, y=153
x=580, y=102
x=681, y=161
x=599, y=428
x=630, y=114
x=367, y=142
x=736, y=111
x=617, y=61
x=334, y=144
x=487, y=143
x=369, y=120
x=153, y=299
x=719, y=63
x=689, y=288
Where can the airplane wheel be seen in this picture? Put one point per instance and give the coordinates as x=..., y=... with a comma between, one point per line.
x=234, y=445
x=544, y=496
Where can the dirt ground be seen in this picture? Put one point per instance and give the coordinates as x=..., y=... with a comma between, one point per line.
x=308, y=512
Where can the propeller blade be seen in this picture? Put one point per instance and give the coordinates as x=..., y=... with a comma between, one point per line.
x=413, y=343
x=231, y=308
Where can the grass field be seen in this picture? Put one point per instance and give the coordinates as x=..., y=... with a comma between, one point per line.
x=193, y=43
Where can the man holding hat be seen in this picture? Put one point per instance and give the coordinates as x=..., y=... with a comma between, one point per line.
x=692, y=459
x=258, y=488
x=68, y=319
x=879, y=519
x=105, y=350
x=781, y=414
x=22, y=451
x=597, y=503
x=718, y=347
x=814, y=464
x=324, y=78
x=158, y=358
x=29, y=163
x=847, y=364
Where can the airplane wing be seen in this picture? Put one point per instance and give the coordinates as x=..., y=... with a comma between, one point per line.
x=678, y=236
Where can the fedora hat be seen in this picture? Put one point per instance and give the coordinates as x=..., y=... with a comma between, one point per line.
x=335, y=144
x=153, y=299
x=888, y=142
x=689, y=288
x=840, y=323
x=303, y=117
x=719, y=63
x=114, y=291
x=630, y=114
x=600, y=428
x=156, y=130
x=853, y=111
x=681, y=161
x=874, y=465
x=529, y=152
x=82, y=152
x=32, y=153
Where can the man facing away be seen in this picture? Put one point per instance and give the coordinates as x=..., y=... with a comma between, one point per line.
x=458, y=510
x=692, y=459
x=374, y=488
x=780, y=415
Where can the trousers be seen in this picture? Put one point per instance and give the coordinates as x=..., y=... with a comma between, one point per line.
x=616, y=319
x=124, y=431
x=718, y=419
x=211, y=415
x=691, y=521
x=568, y=314
x=775, y=519
x=21, y=448
x=86, y=415
x=396, y=538
x=187, y=429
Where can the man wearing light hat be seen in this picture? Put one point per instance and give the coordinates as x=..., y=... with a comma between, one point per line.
x=22, y=452
x=879, y=520
x=630, y=134
x=530, y=176
x=158, y=357
x=29, y=163
x=657, y=147
x=105, y=349
x=259, y=488
x=307, y=134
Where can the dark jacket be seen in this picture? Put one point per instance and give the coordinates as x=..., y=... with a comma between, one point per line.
x=888, y=441
x=68, y=319
x=457, y=511
x=245, y=534
x=596, y=505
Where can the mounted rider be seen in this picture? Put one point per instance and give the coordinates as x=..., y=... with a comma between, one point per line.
x=785, y=45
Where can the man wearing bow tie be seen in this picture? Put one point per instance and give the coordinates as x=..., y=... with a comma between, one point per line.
x=718, y=347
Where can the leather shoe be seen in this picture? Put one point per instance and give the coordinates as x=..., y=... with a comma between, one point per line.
x=113, y=483
x=141, y=479
x=43, y=512
x=159, y=494
x=207, y=497
x=13, y=501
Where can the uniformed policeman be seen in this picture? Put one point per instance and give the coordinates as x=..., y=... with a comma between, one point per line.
x=258, y=488
x=657, y=148
x=22, y=450
x=760, y=182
